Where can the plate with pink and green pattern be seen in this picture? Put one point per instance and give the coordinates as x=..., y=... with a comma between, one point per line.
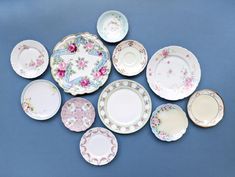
x=80, y=63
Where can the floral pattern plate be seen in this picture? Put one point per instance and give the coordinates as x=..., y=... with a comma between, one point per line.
x=41, y=99
x=168, y=122
x=98, y=146
x=80, y=63
x=112, y=26
x=173, y=73
x=29, y=59
x=124, y=106
x=129, y=58
x=205, y=108
x=78, y=114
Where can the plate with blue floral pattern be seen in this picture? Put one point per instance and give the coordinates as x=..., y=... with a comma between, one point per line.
x=80, y=63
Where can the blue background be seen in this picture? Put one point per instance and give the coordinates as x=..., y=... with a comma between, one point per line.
x=30, y=148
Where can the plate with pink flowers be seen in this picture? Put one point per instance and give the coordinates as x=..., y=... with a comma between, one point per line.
x=80, y=63
x=29, y=59
x=78, y=114
x=168, y=122
x=173, y=73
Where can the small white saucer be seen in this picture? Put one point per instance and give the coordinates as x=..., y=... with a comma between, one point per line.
x=206, y=108
x=98, y=146
x=41, y=99
x=130, y=58
x=168, y=122
x=29, y=59
x=112, y=26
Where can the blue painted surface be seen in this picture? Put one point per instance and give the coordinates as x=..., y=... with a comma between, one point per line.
x=31, y=148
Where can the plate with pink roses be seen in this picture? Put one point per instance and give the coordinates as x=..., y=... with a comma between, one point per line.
x=80, y=63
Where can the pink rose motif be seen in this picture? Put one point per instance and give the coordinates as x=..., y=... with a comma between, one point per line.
x=103, y=70
x=188, y=82
x=89, y=46
x=100, y=54
x=39, y=62
x=72, y=47
x=84, y=82
x=61, y=70
x=165, y=53
x=97, y=74
x=32, y=63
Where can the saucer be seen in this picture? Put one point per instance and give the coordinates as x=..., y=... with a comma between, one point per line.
x=29, y=59
x=98, y=146
x=80, y=63
x=124, y=106
x=112, y=26
x=78, y=114
x=41, y=99
x=129, y=58
x=205, y=108
x=173, y=73
x=168, y=122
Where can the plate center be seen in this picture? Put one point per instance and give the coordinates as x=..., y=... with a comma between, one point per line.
x=210, y=106
x=28, y=56
x=129, y=58
x=124, y=106
x=99, y=145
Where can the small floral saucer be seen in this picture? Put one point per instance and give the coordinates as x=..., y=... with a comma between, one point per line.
x=112, y=26
x=173, y=73
x=80, y=63
x=98, y=146
x=206, y=108
x=29, y=59
x=168, y=122
x=78, y=114
x=124, y=106
x=129, y=58
x=41, y=99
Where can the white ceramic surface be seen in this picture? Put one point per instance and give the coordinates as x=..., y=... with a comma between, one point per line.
x=168, y=122
x=41, y=99
x=98, y=146
x=112, y=26
x=173, y=73
x=129, y=58
x=124, y=106
x=205, y=108
x=29, y=59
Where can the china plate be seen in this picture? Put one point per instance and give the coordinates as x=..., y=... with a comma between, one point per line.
x=80, y=63
x=129, y=58
x=168, y=122
x=98, y=146
x=112, y=26
x=29, y=59
x=173, y=73
x=205, y=108
x=78, y=114
x=41, y=99
x=124, y=106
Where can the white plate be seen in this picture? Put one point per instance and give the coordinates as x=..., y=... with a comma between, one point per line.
x=124, y=106
x=29, y=59
x=206, y=108
x=112, y=26
x=173, y=73
x=129, y=58
x=80, y=63
x=168, y=122
x=98, y=146
x=41, y=99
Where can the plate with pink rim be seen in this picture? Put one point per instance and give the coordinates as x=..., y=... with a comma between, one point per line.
x=41, y=99
x=80, y=63
x=173, y=73
x=78, y=114
x=98, y=146
x=124, y=106
x=129, y=58
x=29, y=59
x=206, y=108
x=168, y=122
